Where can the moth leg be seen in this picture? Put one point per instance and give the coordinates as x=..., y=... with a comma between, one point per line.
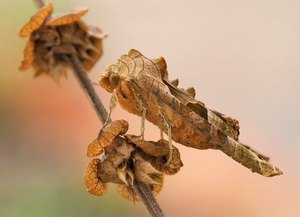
x=161, y=134
x=144, y=112
x=169, y=127
x=143, y=116
x=112, y=105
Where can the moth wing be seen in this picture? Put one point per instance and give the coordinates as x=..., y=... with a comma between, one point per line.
x=226, y=124
x=160, y=65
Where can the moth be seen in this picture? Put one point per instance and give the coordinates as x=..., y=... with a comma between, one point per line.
x=142, y=87
x=122, y=158
x=54, y=37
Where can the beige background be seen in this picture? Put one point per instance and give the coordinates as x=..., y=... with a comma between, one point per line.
x=241, y=56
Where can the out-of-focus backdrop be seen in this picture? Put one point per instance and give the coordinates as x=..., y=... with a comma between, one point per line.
x=243, y=58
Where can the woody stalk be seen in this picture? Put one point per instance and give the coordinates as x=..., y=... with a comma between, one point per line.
x=62, y=43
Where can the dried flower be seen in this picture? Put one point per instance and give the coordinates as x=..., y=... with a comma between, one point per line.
x=126, y=158
x=52, y=38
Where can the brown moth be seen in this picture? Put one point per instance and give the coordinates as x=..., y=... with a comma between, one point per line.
x=142, y=87
x=54, y=37
x=126, y=158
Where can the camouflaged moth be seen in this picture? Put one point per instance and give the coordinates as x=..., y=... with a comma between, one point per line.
x=142, y=87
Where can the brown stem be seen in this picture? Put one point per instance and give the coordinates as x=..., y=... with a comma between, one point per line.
x=148, y=199
x=87, y=86
x=40, y=3
x=142, y=190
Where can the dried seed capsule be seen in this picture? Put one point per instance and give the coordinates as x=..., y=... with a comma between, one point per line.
x=144, y=171
x=174, y=165
x=92, y=182
x=128, y=192
x=54, y=38
x=65, y=19
x=106, y=136
x=156, y=149
x=37, y=20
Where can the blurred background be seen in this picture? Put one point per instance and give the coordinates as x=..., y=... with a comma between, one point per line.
x=242, y=57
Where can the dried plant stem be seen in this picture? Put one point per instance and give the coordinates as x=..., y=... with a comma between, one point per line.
x=39, y=3
x=148, y=199
x=143, y=191
x=87, y=86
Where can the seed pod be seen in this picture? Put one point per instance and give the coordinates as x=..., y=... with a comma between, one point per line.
x=37, y=20
x=92, y=182
x=106, y=136
x=156, y=149
x=53, y=38
x=129, y=193
x=174, y=165
x=65, y=19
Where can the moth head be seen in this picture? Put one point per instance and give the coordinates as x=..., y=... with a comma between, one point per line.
x=110, y=78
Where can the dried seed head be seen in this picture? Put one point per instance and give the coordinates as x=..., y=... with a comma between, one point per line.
x=128, y=192
x=106, y=136
x=174, y=165
x=156, y=149
x=54, y=38
x=123, y=147
x=92, y=182
x=94, y=148
x=126, y=175
x=144, y=171
x=37, y=20
x=127, y=158
x=65, y=19
x=107, y=172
